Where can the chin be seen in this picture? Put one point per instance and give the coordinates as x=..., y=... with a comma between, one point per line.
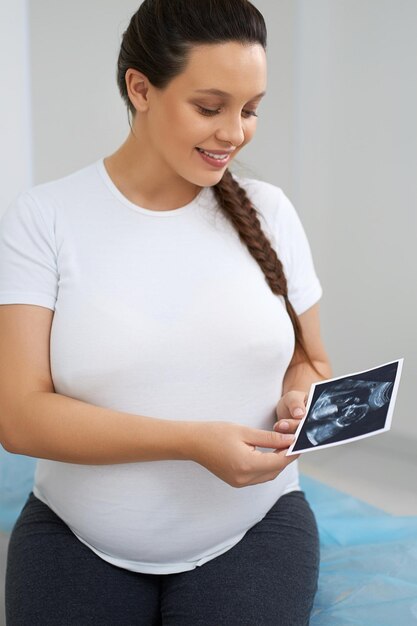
x=209, y=178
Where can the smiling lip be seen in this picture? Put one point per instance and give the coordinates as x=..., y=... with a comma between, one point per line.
x=218, y=163
x=218, y=151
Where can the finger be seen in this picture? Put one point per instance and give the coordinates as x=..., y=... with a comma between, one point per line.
x=282, y=411
x=277, y=460
x=296, y=407
x=268, y=462
x=291, y=405
x=270, y=439
x=286, y=426
x=289, y=458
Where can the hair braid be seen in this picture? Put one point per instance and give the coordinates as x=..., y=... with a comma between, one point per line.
x=236, y=206
x=157, y=42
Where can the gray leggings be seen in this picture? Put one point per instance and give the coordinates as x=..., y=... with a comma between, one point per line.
x=269, y=578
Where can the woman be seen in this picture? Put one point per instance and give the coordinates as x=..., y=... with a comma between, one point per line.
x=156, y=354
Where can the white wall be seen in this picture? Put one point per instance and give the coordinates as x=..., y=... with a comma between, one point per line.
x=337, y=131
x=77, y=110
x=78, y=115
x=270, y=155
x=356, y=185
x=15, y=126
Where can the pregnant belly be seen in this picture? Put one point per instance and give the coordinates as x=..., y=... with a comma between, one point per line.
x=156, y=512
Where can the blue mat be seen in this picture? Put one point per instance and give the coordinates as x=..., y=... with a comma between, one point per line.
x=16, y=482
x=368, y=571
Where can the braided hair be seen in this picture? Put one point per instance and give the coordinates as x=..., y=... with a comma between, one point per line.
x=238, y=209
x=157, y=43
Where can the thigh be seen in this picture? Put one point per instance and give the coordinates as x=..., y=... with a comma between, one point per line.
x=53, y=579
x=269, y=578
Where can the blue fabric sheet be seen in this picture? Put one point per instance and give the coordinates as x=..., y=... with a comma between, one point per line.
x=16, y=482
x=368, y=571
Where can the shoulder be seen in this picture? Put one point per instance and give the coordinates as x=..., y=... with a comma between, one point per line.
x=43, y=201
x=260, y=190
x=270, y=201
x=287, y=236
x=52, y=194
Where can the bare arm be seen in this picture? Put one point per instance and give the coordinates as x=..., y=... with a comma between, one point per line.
x=300, y=375
x=36, y=421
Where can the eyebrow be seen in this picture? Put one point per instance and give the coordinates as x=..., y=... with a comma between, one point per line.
x=224, y=94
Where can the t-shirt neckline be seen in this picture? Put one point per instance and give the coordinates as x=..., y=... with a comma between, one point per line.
x=151, y=212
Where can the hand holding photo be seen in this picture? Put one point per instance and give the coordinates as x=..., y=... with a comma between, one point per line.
x=348, y=408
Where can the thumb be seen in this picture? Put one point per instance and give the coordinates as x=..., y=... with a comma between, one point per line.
x=296, y=407
x=270, y=439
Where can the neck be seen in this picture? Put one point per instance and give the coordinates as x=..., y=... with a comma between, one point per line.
x=137, y=171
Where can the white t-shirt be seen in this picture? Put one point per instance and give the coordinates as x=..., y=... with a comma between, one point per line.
x=164, y=314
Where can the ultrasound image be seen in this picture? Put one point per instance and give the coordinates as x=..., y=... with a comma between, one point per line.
x=344, y=404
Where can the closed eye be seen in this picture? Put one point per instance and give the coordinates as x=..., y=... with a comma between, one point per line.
x=211, y=112
x=204, y=111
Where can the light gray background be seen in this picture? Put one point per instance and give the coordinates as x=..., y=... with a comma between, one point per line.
x=337, y=131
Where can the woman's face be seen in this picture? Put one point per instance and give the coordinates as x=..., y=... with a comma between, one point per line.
x=210, y=106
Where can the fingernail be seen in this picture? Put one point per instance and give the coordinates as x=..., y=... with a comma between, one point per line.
x=298, y=412
x=283, y=425
x=287, y=437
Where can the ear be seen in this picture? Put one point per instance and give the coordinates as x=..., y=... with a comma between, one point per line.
x=137, y=86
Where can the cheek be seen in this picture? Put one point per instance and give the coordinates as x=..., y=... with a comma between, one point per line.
x=196, y=130
x=187, y=127
x=250, y=130
x=167, y=120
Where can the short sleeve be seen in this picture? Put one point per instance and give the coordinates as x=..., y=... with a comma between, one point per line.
x=28, y=260
x=304, y=288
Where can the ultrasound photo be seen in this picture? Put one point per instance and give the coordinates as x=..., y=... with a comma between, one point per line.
x=348, y=408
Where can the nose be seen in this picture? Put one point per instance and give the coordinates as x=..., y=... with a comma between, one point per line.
x=231, y=130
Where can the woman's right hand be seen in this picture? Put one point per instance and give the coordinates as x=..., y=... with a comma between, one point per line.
x=230, y=452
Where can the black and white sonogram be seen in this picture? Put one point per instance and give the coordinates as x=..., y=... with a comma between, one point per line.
x=347, y=408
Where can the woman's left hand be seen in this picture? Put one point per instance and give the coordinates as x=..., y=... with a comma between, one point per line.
x=290, y=410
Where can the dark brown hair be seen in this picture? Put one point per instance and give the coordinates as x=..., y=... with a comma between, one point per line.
x=157, y=43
